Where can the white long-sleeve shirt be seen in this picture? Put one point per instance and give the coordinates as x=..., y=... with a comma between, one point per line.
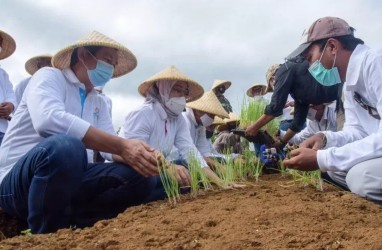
x=6, y=95
x=52, y=104
x=150, y=124
x=361, y=137
x=198, y=133
x=20, y=88
x=328, y=122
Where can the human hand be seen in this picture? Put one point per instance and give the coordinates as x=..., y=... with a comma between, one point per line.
x=6, y=108
x=304, y=159
x=314, y=142
x=183, y=176
x=141, y=157
x=278, y=143
x=289, y=104
x=251, y=130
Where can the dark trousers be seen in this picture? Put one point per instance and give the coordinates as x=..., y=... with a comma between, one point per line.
x=53, y=186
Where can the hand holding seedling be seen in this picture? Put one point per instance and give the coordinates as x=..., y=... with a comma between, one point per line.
x=183, y=176
x=140, y=157
x=304, y=159
x=314, y=142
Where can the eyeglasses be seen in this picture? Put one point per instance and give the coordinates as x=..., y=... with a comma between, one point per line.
x=373, y=112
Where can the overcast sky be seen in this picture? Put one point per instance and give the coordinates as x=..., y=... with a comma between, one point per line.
x=235, y=40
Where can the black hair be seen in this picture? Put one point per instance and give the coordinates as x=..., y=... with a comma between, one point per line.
x=74, y=57
x=348, y=42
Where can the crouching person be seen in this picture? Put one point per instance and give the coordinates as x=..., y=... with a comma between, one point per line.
x=44, y=171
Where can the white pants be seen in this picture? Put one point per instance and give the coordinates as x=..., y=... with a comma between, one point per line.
x=364, y=179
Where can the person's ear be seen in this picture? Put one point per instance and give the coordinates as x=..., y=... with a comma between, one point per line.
x=333, y=45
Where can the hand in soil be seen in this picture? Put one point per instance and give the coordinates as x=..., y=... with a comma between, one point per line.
x=304, y=159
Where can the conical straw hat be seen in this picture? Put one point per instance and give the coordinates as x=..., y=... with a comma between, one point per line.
x=217, y=83
x=126, y=59
x=218, y=121
x=172, y=73
x=31, y=66
x=271, y=72
x=209, y=103
x=232, y=118
x=263, y=89
x=8, y=45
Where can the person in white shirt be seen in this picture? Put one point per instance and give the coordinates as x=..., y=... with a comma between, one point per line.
x=7, y=96
x=45, y=176
x=31, y=66
x=351, y=157
x=198, y=116
x=320, y=118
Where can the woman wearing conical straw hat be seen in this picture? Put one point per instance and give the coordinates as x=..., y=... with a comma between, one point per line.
x=7, y=96
x=44, y=161
x=199, y=115
x=31, y=66
x=159, y=123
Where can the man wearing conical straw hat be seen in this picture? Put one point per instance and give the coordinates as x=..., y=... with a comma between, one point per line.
x=257, y=91
x=199, y=115
x=219, y=87
x=227, y=141
x=31, y=66
x=44, y=157
x=7, y=96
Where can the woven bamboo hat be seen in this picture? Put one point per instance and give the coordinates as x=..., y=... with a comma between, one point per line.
x=8, y=46
x=218, y=83
x=32, y=65
x=209, y=103
x=271, y=72
x=263, y=89
x=126, y=59
x=217, y=121
x=232, y=118
x=172, y=73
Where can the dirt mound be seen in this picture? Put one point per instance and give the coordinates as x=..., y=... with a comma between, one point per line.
x=269, y=214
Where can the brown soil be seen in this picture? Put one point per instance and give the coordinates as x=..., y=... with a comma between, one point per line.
x=266, y=215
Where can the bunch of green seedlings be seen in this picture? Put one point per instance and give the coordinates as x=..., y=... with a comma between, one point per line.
x=251, y=111
x=303, y=178
x=198, y=178
x=168, y=176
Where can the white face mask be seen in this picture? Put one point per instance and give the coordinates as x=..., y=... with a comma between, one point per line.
x=311, y=114
x=176, y=104
x=206, y=120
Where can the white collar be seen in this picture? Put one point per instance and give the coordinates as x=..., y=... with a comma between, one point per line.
x=72, y=78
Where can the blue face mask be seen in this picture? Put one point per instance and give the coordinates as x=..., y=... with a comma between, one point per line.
x=326, y=77
x=101, y=74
